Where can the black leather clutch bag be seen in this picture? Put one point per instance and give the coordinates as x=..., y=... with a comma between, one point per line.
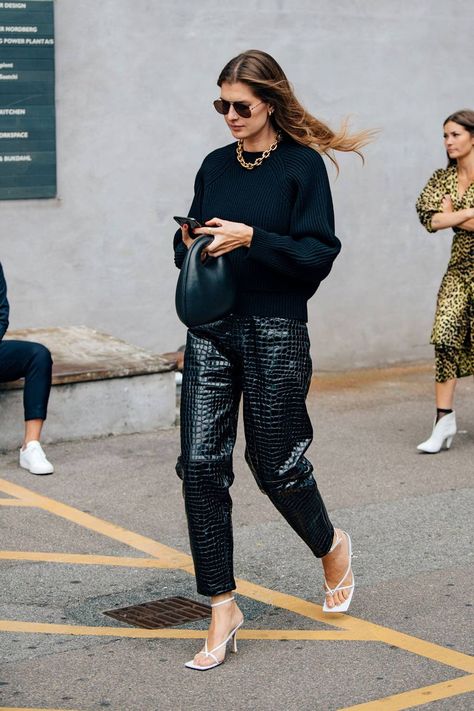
x=206, y=287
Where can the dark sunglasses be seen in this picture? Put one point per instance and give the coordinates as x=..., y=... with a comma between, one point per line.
x=223, y=107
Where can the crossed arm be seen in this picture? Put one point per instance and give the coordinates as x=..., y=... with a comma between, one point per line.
x=451, y=218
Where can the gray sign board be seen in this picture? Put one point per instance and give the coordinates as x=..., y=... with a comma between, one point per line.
x=27, y=107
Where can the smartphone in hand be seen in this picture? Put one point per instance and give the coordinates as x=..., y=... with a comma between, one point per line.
x=190, y=221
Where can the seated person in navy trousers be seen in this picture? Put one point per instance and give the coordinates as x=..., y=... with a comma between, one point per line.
x=31, y=361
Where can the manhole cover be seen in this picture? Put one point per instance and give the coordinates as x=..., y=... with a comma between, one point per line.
x=161, y=613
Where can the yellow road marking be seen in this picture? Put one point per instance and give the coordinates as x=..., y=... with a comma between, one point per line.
x=82, y=559
x=171, y=558
x=169, y=633
x=418, y=697
x=13, y=502
x=367, y=630
x=174, y=559
x=17, y=708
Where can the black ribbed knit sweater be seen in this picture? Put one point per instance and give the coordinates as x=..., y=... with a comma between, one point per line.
x=287, y=201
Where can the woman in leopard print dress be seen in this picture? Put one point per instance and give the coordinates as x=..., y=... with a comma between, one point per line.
x=447, y=201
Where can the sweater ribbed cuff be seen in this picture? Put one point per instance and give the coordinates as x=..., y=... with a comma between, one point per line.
x=261, y=241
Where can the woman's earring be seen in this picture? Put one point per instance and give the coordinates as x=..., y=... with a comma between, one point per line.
x=270, y=111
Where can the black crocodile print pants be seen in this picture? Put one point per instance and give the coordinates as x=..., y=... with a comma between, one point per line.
x=266, y=360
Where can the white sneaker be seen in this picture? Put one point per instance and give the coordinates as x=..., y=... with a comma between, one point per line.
x=34, y=459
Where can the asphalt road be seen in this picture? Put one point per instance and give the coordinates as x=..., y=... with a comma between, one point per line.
x=409, y=635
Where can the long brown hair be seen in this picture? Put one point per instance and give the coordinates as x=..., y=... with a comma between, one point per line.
x=268, y=81
x=465, y=118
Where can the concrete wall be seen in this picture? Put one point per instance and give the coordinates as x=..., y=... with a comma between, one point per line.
x=135, y=81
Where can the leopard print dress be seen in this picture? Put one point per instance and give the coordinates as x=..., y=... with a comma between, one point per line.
x=453, y=328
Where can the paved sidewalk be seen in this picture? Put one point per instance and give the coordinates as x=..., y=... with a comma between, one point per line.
x=108, y=530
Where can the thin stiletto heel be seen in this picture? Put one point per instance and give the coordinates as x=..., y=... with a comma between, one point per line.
x=231, y=637
x=448, y=442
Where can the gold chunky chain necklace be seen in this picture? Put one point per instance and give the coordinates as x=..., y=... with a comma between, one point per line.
x=257, y=161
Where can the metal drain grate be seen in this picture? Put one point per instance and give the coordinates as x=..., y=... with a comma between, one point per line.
x=161, y=613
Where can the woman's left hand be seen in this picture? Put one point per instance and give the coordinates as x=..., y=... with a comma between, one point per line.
x=227, y=236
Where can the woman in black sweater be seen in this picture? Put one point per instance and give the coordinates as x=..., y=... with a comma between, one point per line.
x=266, y=201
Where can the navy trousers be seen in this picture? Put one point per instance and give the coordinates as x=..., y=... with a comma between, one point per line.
x=33, y=362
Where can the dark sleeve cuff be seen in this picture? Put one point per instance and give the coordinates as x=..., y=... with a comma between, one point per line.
x=179, y=254
x=261, y=241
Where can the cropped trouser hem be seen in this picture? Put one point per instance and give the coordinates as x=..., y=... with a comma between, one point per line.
x=31, y=361
x=265, y=361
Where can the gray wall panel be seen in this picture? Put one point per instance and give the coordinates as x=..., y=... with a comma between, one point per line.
x=134, y=85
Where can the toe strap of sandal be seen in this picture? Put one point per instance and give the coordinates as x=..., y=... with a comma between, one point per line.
x=213, y=656
x=336, y=589
x=206, y=653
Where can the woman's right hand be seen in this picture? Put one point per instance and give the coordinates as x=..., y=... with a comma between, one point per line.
x=185, y=236
x=447, y=204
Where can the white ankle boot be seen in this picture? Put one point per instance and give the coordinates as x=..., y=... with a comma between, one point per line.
x=443, y=431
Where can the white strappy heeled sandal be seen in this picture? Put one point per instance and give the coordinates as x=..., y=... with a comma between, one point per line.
x=344, y=605
x=217, y=662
